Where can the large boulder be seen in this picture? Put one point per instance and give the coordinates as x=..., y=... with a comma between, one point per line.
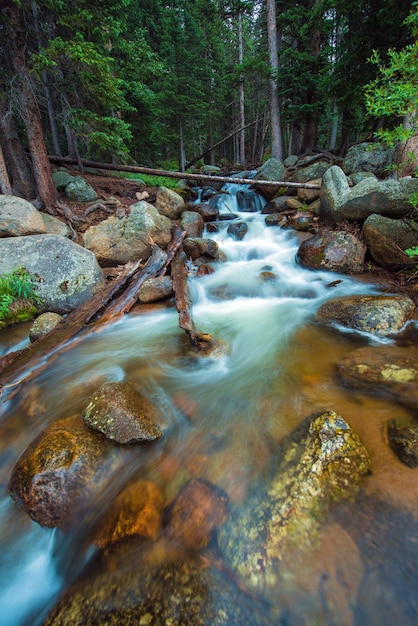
x=391, y=372
x=127, y=239
x=59, y=473
x=310, y=172
x=169, y=203
x=378, y=315
x=322, y=462
x=66, y=274
x=192, y=223
x=19, y=217
x=368, y=157
x=387, y=239
x=386, y=197
x=79, y=190
x=334, y=192
x=335, y=251
x=339, y=202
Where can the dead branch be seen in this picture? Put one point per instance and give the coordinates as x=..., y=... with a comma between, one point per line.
x=183, y=302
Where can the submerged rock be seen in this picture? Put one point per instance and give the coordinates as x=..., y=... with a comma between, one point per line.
x=388, y=371
x=198, y=509
x=378, y=315
x=403, y=439
x=135, y=513
x=325, y=464
x=122, y=414
x=177, y=594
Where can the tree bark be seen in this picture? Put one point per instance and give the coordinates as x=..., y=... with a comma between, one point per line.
x=276, y=130
x=241, y=94
x=45, y=187
x=183, y=302
x=18, y=168
x=5, y=186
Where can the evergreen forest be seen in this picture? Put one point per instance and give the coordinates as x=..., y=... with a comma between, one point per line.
x=159, y=82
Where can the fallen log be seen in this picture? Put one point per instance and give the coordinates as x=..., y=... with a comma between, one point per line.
x=183, y=302
x=183, y=175
x=23, y=365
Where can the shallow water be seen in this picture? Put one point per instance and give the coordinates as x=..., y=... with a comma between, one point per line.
x=273, y=367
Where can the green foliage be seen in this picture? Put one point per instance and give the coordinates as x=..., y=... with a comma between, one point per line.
x=16, y=285
x=393, y=93
x=411, y=252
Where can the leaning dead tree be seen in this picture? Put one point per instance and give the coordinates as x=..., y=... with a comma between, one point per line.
x=199, y=178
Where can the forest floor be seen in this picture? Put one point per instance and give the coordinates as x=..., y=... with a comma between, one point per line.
x=125, y=191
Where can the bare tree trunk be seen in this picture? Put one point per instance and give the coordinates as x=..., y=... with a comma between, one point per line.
x=5, y=186
x=241, y=94
x=182, y=157
x=334, y=128
x=17, y=163
x=276, y=130
x=29, y=109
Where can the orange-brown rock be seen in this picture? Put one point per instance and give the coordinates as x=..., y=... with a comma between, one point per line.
x=135, y=513
x=199, y=508
x=61, y=471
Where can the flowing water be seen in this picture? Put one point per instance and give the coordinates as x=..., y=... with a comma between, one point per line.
x=273, y=367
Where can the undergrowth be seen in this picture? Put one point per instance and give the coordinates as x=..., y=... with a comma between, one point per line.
x=16, y=287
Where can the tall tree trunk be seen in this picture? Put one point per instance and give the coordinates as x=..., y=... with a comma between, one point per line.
x=334, y=128
x=276, y=130
x=17, y=163
x=182, y=156
x=241, y=94
x=5, y=186
x=46, y=190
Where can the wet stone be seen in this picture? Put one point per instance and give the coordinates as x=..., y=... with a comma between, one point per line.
x=198, y=509
x=176, y=594
x=323, y=462
x=403, y=439
x=378, y=315
x=44, y=324
x=237, y=231
x=122, y=414
x=135, y=513
x=389, y=371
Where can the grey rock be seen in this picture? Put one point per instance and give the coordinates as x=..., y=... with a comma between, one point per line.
x=310, y=172
x=79, y=190
x=368, y=157
x=55, y=226
x=19, y=217
x=334, y=192
x=195, y=247
x=66, y=274
x=61, y=179
x=128, y=239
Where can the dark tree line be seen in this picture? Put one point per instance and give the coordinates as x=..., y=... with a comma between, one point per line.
x=158, y=83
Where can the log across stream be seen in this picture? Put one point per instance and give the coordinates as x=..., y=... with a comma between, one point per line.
x=226, y=412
